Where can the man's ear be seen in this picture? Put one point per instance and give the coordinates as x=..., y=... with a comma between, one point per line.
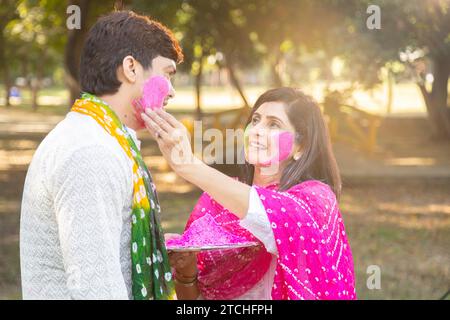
x=129, y=65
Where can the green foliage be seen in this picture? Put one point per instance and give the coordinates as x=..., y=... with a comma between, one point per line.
x=410, y=30
x=306, y=34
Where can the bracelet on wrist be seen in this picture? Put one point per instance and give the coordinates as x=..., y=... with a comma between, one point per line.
x=185, y=283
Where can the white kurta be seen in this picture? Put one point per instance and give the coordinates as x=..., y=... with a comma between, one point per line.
x=75, y=226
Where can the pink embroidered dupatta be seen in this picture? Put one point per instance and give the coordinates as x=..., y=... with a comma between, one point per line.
x=314, y=257
x=227, y=274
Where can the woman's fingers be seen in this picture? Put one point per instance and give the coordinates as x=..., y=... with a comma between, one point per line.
x=169, y=118
x=169, y=124
x=161, y=122
x=154, y=128
x=148, y=125
x=168, y=236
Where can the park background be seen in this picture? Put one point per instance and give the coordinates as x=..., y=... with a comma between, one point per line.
x=384, y=92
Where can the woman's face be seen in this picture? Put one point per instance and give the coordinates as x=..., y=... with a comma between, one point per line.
x=270, y=136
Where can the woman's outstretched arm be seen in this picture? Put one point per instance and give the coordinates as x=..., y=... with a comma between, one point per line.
x=174, y=143
x=230, y=193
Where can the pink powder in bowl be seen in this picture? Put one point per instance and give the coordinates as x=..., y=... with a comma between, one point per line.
x=205, y=232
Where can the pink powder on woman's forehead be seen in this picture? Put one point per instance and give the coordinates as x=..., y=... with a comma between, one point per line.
x=205, y=231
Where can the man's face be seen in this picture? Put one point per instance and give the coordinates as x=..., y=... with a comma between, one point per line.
x=161, y=66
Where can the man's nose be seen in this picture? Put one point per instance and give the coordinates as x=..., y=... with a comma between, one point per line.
x=171, y=92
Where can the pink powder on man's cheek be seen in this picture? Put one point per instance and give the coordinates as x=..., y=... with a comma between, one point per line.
x=138, y=110
x=154, y=92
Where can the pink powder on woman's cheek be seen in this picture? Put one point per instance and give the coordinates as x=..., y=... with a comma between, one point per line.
x=285, y=144
x=284, y=141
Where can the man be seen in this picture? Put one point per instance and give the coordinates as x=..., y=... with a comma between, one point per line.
x=90, y=216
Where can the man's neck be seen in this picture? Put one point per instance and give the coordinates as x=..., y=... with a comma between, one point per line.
x=121, y=106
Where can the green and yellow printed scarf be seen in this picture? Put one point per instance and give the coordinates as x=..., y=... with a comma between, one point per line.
x=151, y=272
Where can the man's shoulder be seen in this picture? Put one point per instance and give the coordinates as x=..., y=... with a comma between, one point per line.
x=76, y=131
x=75, y=135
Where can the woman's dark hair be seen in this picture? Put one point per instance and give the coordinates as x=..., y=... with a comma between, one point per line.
x=317, y=161
x=115, y=36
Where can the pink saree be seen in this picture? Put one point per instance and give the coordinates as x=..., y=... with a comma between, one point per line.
x=314, y=257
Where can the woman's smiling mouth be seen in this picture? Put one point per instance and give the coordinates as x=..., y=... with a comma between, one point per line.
x=257, y=145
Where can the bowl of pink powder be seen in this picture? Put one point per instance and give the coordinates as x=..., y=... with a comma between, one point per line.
x=206, y=234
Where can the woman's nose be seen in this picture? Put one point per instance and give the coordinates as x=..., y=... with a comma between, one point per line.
x=259, y=130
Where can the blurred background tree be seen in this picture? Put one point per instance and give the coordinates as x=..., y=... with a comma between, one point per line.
x=287, y=42
x=8, y=14
x=415, y=39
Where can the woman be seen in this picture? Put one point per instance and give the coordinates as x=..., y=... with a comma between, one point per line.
x=285, y=200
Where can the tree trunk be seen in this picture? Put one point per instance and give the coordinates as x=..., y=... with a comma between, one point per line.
x=34, y=94
x=276, y=78
x=235, y=81
x=4, y=66
x=118, y=5
x=436, y=100
x=36, y=83
x=75, y=40
x=390, y=91
x=237, y=85
x=198, y=87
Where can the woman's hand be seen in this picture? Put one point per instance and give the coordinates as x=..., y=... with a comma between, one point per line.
x=172, y=137
x=184, y=263
x=174, y=143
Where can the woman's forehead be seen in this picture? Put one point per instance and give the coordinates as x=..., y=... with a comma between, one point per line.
x=274, y=109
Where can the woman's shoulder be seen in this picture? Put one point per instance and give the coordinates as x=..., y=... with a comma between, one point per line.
x=313, y=189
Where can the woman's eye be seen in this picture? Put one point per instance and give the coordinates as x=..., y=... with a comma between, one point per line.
x=254, y=121
x=274, y=125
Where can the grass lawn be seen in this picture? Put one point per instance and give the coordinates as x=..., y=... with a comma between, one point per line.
x=402, y=226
